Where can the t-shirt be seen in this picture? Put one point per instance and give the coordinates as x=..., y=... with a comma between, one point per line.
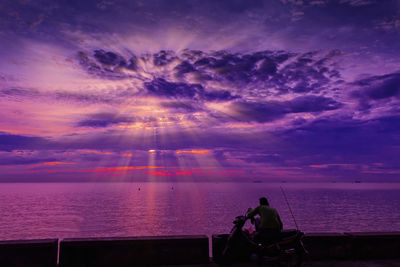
x=269, y=217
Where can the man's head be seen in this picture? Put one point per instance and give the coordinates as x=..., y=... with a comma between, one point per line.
x=264, y=201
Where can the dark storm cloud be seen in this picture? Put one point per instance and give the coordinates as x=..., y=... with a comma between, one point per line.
x=219, y=95
x=18, y=92
x=18, y=160
x=379, y=87
x=109, y=58
x=107, y=65
x=239, y=69
x=244, y=68
x=162, y=88
x=268, y=72
x=101, y=120
x=312, y=103
x=256, y=74
x=181, y=106
x=376, y=89
x=259, y=112
x=163, y=57
x=113, y=59
x=307, y=73
x=183, y=68
x=273, y=110
x=9, y=142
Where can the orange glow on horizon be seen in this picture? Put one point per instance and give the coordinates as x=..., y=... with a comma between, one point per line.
x=177, y=173
x=54, y=163
x=319, y=166
x=99, y=169
x=159, y=173
x=94, y=151
x=193, y=151
x=125, y=168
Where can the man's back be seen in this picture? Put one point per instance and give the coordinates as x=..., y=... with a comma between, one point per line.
x=269, y=217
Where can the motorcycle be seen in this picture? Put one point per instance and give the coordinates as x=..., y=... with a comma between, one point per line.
x=241, y=245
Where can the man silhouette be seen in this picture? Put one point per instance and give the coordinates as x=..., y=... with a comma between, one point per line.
x=270, y=225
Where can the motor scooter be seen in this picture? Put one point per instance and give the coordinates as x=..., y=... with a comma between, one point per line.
x=242, y=246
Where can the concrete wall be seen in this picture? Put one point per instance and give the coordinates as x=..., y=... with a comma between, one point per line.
x=175, y=250
x=351, y=246
x=218, y=244
x=328, y=246
x=374, y=245
x=159, y=250
x=32, y=253
x=338, y=246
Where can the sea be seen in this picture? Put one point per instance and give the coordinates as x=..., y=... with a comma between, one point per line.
x=60, y=210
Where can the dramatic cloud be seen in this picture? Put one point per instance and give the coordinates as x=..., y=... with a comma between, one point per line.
x=379, y=87
x=312, y=104
x=9, y=142
x=198, y=75
x=17, y=160
x=162, y=88
x=270, y=111
x=104, y=119
x=234, y=90
x=106, y=64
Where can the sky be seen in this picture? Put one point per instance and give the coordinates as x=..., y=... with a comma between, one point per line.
x=289, y=90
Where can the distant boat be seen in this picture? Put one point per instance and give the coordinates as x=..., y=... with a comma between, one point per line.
x=357, y=182
x=257, y=181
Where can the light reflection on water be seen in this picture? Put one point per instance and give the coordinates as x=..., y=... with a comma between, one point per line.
x=48, y=210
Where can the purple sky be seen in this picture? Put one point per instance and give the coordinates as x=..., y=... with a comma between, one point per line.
x=200, y=90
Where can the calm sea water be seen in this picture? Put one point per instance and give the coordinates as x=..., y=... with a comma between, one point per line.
x=48, y=210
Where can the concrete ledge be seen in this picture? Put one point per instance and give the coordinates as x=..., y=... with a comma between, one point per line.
x=338, y=246
x=157, y=250
x=321, y=246
x=327, y=246
x=218, y=243
x=379, y=245
x=175, y=250
x=29, y=253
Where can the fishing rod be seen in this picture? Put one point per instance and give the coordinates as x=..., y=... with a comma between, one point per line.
x=291, y=212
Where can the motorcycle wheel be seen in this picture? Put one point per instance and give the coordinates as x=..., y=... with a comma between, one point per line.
x=290, y=258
